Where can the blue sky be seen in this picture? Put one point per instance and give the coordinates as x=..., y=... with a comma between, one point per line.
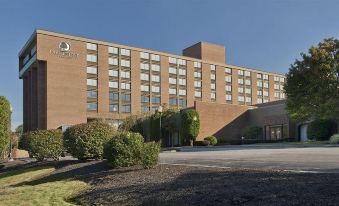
x=265, y=34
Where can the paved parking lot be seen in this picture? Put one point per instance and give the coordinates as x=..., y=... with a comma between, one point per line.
x=290, y=157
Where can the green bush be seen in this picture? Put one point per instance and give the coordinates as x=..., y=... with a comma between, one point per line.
x=124, y=149
x=5, y=130
x=252, y=132
x=211, y=140
x=334, y=139
x=319, y=130
x=190, y=125
x=45, y=144
x=86, y=141
x=150, y=154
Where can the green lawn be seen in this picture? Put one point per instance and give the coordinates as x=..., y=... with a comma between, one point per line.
x=14, y=191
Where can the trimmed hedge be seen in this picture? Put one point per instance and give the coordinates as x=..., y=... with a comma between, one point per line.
x=334, y=139
x=211, y=140
x=124, y=149
x=5, y=130
x=150, y=154
x=86, y=141
x=45, y=144
x=319, y=130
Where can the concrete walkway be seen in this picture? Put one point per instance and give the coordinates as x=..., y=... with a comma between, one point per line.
x=281, y=156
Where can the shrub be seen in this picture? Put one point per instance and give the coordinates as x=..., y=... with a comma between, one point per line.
x=211, y=140
x=124, y=149
x=45, y=144
x=5, y=117
x=23, y=142
x=150, y=154
x=334, y=139
x=252, y=132
x=86, y=141
x=319, y=130
x=190, y=125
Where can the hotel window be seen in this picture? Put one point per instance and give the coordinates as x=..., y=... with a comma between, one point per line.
x=113, y=73
x=197, y=94
x=282, y=79
x=197, y=83
x=92, y=106
x=259, y=76
x=212, y=95
x=247, y=73
x=276, y=94
x=125, y=63
x=144, y=99
x=172, y=91
x=241, y=98
x=155, y=89
x=212, y=67
x=197, y=74
x=91, y=58
x=259, y=93
x=155, y=100
x=125, y=52
x=144, y=55
x=213, y=86
x=259, y=100
x=259, y=83
x=241, y=90
x=182, y=92
x=126, y=97
x=144, y=108
x=144, y=66
x=155, y=78
x=172, y=70
x=240, y=81
x=92, y=82
x=276, y=79
x=240, y=72
x=228, y=97
x=92, y=94
x=172, y=81
x=228, y=79
x=172, y=101
x=181, y=62
x=282, y=95
x=248, y=99
x=155, y=67
x=182, y=72
x=265, y=76
x=265, y=100
x=91, y=70
x=124, y=85
x=172, y=60
x=276, y=86
x=144, y=88
x=213, y=76
x=197, y=64
x=182, y=103
x=265, y=85
x=182, y=81
x=90, y=46
x=155, y=57
x=247, y=91
x=125, y=108
x=247, y=82
x=144, y=77
x=113, y=50
x=125, y=74
x=33, y=50
x=281, y=87
x=265, y=93
x=228, y=88
x=113, y=61
x=113, y=84
x=114, y=96
x=228, y=70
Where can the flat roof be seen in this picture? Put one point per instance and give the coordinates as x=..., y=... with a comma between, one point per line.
x=89, y=40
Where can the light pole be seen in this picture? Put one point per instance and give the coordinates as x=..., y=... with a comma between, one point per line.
x=160, y=111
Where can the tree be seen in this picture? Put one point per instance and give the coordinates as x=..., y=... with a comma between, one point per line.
x=155, y=126
x=5, y=130
x=190, y=125
x=19, y=130
x=312, y=85
x=133, y=123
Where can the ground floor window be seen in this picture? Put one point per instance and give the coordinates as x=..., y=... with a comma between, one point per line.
x=276, y=132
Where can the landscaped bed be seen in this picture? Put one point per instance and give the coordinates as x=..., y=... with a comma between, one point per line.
x=93, y=183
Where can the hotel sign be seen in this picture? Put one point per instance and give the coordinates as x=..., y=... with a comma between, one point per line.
x=64, y=51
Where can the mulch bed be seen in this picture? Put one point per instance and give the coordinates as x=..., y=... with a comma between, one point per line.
x=181, y=185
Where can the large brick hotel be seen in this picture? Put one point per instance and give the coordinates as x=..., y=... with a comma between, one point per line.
x=69, y=80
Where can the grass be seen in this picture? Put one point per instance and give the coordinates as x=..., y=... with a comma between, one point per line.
x=15, y=191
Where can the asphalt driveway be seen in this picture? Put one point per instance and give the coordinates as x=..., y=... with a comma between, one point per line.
x=288, y=157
